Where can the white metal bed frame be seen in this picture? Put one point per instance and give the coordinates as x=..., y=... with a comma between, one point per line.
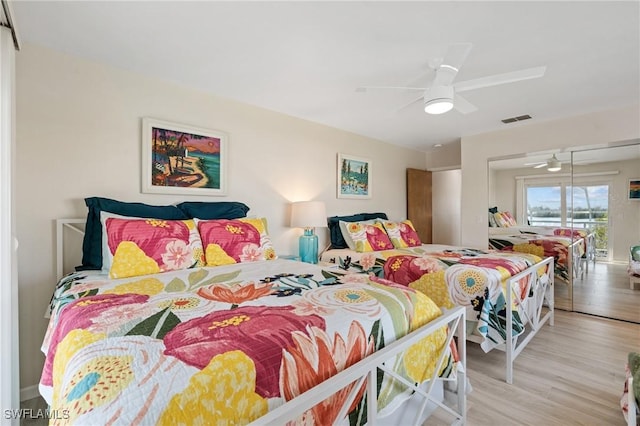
x=535, y=316
x=364, y=370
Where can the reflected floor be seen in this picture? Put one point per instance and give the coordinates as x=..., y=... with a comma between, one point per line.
x=603, y=291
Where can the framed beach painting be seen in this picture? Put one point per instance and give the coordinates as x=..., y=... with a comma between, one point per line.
x=354, y=177
x=182, y=160
x=634, y=189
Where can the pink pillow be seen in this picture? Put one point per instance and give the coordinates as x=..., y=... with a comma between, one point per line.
x=234, y=241
x=147, y=246
x=402, y=234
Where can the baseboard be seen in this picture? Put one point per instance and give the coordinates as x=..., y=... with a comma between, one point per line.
x=29, y=392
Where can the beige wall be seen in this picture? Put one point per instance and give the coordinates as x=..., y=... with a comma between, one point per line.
x=78, y=135
x=625, y=213
x=593, y=129
x=445, y=196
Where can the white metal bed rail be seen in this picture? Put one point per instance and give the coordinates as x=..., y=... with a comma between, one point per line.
x=533, y=318
x=61, y=225
x=366, y=369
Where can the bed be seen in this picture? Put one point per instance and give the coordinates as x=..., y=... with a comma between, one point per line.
x=631, y=391
x=264, y=341
x=567, y=247
x=482, y=282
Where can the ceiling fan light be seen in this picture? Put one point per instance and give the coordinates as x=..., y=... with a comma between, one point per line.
x=554, y=166
x=438, y=106
x=438, y=99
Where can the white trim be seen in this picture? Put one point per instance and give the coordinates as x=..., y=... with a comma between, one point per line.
x=9, y=355
x=575, y=175
x=29, y=392
x=444, y=168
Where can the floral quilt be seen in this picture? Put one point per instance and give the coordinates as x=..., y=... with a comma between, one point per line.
x=453, y=276
x=224, y=345
x=556, y=246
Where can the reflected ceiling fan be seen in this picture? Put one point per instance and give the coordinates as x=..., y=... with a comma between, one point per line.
x=442, y=93
x=552, y=164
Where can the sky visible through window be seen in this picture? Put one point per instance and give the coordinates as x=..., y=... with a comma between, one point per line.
x=549, y=197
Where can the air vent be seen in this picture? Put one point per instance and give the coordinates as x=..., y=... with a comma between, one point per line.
x=514, y=119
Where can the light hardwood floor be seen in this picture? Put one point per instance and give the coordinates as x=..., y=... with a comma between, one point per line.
x=569, y=374
x=603, y=291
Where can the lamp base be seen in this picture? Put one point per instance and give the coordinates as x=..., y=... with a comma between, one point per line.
x=309, y=246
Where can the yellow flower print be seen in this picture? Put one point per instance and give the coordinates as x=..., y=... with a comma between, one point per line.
x=270, y=254
x=146, y=286
x=529, y=248
x=191, y=225
x=222, y=393
x=420, y=359
x=97, y=382
x=157, y=223
x=130, y=261
x=233, y=229
x=259, y=224
x=216, y=256
x=72, y=343
x=434, y=286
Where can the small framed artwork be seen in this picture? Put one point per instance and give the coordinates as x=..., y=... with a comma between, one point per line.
x=634, y=189
x=183, y=160
x=354, y=177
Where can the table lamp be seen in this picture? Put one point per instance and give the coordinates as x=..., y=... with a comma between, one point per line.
x=308, y=215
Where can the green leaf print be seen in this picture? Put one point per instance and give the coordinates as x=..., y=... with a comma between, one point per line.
x=175, y=285
x=196, y=276
x=156, y=325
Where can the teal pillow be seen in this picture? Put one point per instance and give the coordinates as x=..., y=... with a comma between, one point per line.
x=92, y=243
x=214, y=209
x=335, y=233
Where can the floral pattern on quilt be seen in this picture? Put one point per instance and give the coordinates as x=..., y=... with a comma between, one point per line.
x=227, y=344
x=458, y=277
x=555, y=246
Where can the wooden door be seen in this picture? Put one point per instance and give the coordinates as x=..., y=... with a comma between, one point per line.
x=419, y=203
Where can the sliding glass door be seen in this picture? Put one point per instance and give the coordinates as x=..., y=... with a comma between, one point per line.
x=579, y=206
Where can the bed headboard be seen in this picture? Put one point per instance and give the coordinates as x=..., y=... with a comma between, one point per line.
x=69, y=237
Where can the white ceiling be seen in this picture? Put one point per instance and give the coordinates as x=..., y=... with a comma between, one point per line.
x=306, y=59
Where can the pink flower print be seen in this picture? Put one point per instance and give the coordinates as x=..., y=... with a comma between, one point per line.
x=378, y=239
x=231, y=235
x=261, y=332
x=177, y=256
x=354, y=279
x=251, y=253
x=427, y=264
x=367, y=261
x=109, y=321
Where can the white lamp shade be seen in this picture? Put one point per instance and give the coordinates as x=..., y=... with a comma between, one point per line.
x=308, y=214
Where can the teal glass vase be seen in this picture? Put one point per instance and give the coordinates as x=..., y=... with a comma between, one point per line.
x=309, y=246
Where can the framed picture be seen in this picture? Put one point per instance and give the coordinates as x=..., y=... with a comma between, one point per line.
x=183, y=160
x=354, y=177
x=634, y=189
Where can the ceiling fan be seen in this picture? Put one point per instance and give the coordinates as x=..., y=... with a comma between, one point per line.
x=442, y=94
x=552, y=164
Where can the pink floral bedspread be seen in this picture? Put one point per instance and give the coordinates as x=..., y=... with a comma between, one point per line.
x=454, y=276
x=226, y=344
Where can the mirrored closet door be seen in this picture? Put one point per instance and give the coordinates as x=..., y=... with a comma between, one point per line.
x=604, y=207
x=580, y=197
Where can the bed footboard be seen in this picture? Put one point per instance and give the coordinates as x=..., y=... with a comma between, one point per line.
x=366, y=369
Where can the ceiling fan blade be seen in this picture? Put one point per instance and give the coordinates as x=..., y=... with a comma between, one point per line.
x=494, y=80
x=463, y=105
x=408, y=104
x=367, y=88
x=454, y=58
x=539, y=166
